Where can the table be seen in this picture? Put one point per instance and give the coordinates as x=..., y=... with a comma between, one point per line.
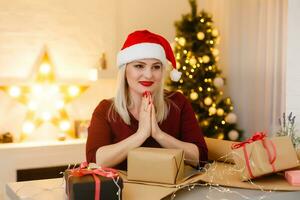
x=28, y=155
x=54, y=189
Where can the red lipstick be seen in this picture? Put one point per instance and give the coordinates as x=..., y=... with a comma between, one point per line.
x=146, y=83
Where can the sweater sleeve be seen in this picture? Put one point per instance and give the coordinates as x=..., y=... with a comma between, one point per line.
x=191, y=132
x=99, y=131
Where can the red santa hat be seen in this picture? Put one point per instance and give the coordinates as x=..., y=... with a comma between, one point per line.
x=144, y=44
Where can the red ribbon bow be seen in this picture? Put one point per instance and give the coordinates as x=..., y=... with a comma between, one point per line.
x=258, y=136
x=83, y=170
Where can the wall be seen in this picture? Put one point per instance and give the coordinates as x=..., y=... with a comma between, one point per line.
x=75, y=32
x=293, y=69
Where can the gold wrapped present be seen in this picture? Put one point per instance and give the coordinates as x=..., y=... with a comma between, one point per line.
x=260, y=155
x=157, y=165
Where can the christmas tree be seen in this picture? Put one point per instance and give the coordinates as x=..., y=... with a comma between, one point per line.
x=201, y=81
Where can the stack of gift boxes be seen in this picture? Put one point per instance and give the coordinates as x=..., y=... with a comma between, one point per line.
x=255, y=157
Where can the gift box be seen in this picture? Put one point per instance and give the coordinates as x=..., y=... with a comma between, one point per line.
x=293, y=177
x=157, y=165
x=93, y=183
x=260, y=155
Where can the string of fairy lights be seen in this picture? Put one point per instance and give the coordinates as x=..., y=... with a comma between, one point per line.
x=45, y=100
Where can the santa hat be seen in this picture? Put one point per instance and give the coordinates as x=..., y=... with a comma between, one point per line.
x=144, y=44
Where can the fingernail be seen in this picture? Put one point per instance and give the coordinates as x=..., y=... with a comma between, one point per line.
x=145, y=94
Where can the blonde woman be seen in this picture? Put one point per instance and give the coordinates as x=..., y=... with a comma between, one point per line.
x=142, y=113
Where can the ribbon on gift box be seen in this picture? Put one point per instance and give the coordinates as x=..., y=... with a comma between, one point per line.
x=258, y=136
x=84, y=170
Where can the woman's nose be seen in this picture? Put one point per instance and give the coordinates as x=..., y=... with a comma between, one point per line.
x=148, y=73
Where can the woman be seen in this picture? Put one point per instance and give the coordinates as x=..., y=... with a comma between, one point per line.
x=142, y=113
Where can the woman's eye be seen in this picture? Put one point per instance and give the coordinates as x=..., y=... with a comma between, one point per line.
x=138, y=66
x=156, y=66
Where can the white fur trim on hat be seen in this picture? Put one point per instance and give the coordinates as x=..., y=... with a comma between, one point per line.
x=141, y=51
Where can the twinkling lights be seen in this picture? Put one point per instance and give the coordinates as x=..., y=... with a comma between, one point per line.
x=45, y=99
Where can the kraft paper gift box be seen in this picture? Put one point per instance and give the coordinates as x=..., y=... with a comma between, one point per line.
x=81, y=183
x=260, y=155
x=219, y=150
x=158, y=165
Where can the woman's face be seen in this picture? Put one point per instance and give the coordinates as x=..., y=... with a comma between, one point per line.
x=144, y=75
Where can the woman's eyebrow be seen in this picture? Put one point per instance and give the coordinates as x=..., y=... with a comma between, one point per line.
x=157, y=63
x=138, y=62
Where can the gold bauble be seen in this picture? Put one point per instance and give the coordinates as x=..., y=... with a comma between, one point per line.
x=215, y=32
x=220, y=136
x=193, y=61
x=182, y=41
x=204, y=123
x=208, y=101
x=205, y=59
x=194, y=96
x=215, y=52
x=228, y=101
x=220, y=112
x=200, y=35
x=212, y=110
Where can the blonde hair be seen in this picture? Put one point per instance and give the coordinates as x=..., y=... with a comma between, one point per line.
x=122, y=100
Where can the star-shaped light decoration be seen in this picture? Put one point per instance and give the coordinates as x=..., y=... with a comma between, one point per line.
x=45, y=99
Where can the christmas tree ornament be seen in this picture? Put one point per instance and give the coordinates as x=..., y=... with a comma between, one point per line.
x=194, y=96
x=233, y=135
x=215, y=52
x=212, y=110
x=205, y=59
x=215, y=32
x=228, y=101
x=193, y=61
x=231, y=118
x=218, y=82
x=220, y=136
x=200, y=35
x=207, y=101
x=220, y=112
x=181, y=41
x=204, y=123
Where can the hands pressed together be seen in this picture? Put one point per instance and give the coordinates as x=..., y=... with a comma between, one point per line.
x=148, y=125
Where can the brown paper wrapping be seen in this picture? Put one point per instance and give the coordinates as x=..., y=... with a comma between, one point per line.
x=219, y=150
x=158, y=165
x=286, y=157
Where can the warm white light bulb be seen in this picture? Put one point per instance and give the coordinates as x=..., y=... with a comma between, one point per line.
x=73, y=91
x=14, y=91
x=28, y=127
x=45, y=68
x=64, y=125
x=46, y=116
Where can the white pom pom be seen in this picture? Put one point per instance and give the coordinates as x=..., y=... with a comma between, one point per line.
x=175, y=75
x=233, y=135
x=218, y=82
x=231, y=118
